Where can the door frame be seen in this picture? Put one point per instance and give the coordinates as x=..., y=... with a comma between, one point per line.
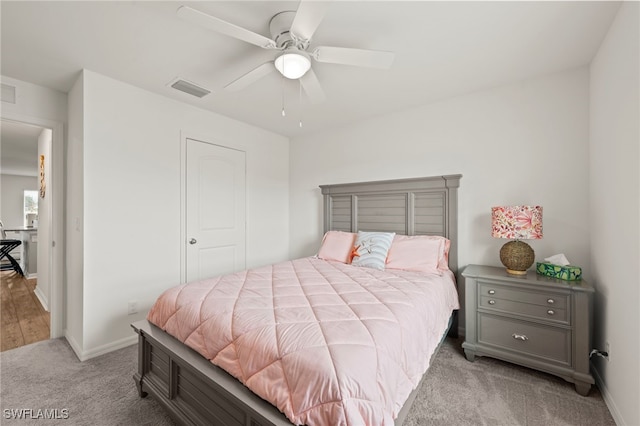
x=184, y=135
x=56, y=222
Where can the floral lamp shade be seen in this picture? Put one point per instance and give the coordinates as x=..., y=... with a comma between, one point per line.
x=517, y=223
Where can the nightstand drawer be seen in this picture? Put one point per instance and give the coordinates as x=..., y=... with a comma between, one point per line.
x=551, y=343
x=542, y=297
x=546, y=313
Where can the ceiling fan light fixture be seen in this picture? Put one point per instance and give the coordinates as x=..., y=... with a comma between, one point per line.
x=293, y=65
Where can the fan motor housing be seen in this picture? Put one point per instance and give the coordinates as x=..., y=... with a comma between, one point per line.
x=280, y=29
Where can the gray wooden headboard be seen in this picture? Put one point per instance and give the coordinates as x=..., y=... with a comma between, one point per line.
x=417, y=206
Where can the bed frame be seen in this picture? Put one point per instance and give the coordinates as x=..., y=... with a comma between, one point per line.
x=194, y=391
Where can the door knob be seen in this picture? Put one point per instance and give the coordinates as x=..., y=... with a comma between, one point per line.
x=193, y=241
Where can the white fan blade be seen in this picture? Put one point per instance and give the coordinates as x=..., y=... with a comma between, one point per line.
x=357, y=57
x=250, y=77
x=308, y=17
x=224, y=27
x=312, y=87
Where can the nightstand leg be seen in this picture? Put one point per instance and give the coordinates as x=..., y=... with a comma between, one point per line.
x=471, y=356
x=583, y=388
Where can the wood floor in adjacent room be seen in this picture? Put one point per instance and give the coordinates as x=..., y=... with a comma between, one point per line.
x=23, y=320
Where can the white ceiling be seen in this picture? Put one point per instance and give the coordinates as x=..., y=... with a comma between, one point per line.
x=443, y=49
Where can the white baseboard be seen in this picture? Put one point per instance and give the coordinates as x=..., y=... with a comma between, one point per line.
x=41, y=297
x=74, y=345
x=110, y=347
x=611, y=405
x=100, y=350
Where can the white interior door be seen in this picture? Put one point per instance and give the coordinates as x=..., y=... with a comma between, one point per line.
x=215, y=204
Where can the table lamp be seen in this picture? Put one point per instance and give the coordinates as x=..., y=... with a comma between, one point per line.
x=517, y=223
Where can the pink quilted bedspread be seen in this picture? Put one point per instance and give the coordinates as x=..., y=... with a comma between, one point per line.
x=326, y=343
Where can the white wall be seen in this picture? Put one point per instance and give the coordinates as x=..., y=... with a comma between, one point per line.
x=131, y=188
x=525, y=143
x=615, y=212
x=74, y=216
x=12, y=206
x=33, y=101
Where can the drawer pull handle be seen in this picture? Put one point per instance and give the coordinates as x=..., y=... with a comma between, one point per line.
x=551, y=312
x=551, y=301
x=492, y=292
x=519, y=337
x=492, y=302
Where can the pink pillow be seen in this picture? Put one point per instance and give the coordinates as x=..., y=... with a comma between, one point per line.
x=421, y=253
x=337, y=245
x=443, y=259
x=443, y=263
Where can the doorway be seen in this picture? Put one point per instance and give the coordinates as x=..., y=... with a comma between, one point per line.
x=215, y=208
x=25, y=316
x=48, y=255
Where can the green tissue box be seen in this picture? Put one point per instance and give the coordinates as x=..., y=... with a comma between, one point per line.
x=567, y=273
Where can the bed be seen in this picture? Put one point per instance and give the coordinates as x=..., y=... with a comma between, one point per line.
x=195, y=391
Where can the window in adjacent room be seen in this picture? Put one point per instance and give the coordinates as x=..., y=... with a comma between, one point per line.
x=30, y=208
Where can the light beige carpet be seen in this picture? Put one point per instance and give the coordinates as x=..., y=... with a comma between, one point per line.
x=492, y=392
x=47, y=376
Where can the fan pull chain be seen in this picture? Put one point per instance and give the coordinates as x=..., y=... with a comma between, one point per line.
x=300, y=100
x=283, y=113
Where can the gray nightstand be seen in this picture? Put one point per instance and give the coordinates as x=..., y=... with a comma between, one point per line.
x=531, y=320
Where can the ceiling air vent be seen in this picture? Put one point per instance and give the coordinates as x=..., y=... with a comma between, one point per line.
x=190, y=88
x=8, y=93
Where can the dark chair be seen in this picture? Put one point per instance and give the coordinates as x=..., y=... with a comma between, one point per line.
x=5, y=248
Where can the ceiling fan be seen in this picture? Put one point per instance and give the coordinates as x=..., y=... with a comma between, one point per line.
x=291, y=33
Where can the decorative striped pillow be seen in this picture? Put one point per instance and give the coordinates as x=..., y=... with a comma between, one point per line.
x=372, y=249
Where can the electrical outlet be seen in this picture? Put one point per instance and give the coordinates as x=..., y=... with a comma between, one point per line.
x=607, y=349
x=133, y=308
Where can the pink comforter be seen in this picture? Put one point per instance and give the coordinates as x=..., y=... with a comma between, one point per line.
x=326, y=343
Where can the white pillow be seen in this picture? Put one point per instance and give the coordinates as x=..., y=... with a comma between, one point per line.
x=372, y=249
